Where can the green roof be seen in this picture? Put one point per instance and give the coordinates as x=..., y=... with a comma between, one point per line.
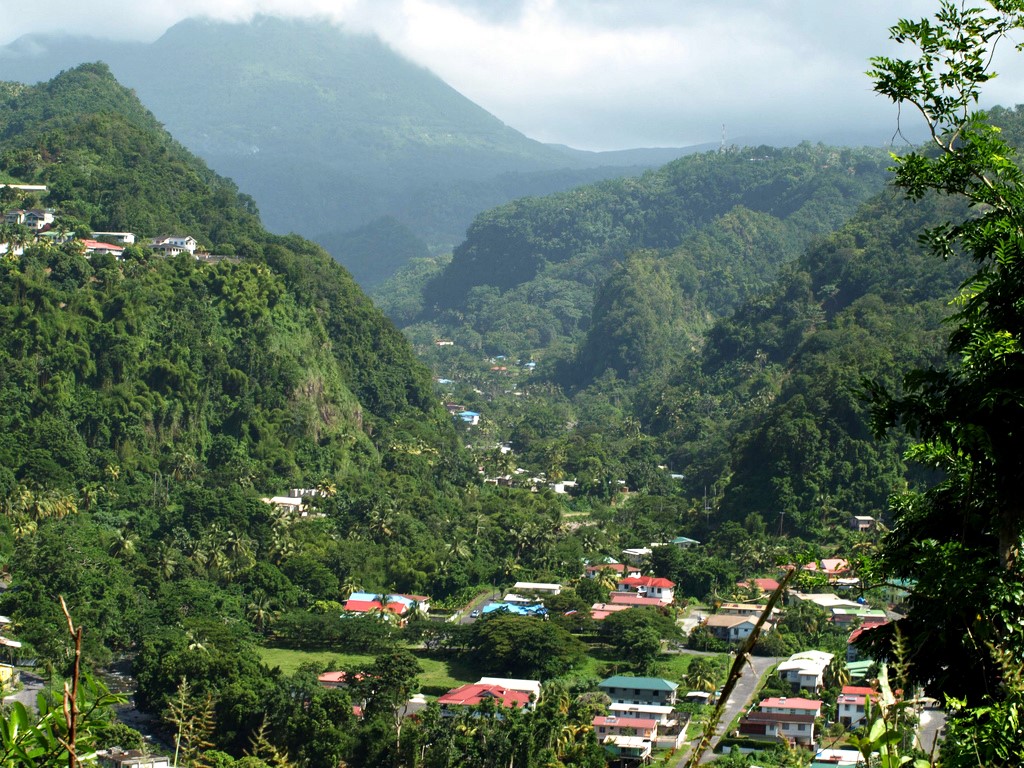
x=645, y=683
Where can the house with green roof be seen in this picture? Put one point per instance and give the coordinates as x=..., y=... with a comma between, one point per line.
x=622, y=689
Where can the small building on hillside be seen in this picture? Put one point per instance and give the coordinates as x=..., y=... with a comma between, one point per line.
x=862, y=523
x=173, y=245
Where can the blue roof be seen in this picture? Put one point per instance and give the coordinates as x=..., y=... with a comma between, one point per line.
x=518, y=610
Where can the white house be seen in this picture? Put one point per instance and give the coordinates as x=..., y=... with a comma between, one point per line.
x=805, y=669
x=851, y=705
x=649, y=586
x=172, y=245
x=786, y=719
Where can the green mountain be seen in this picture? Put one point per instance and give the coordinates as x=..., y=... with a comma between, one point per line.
x=273, y=360
x=326, y=129
x=524, y=280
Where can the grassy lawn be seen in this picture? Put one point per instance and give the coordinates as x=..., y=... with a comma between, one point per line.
x=439, y=675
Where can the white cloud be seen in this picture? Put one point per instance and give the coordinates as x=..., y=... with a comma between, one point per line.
x=594, y=73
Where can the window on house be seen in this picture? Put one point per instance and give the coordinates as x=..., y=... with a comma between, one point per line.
x=802, y=727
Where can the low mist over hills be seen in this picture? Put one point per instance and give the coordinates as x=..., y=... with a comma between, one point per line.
x=328, y=130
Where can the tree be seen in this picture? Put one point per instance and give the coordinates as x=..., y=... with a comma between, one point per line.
x=702, y=674
x=960, y=538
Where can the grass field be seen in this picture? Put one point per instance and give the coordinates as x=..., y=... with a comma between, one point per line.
x=439, y=675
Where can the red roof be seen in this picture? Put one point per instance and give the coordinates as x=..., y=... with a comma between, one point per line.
x=617, y=567
x=868, y=624
x=647, y=581
x=811, y=705
x=856, y=694
x=365, y=606
x=470, y=695
x=629, y=598
x=97, y=245
x=765, y=585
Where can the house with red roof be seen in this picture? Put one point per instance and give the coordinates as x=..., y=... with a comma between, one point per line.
x=764, y=585
x=852, y=654
x=649, y=586
x=851, y=704
x=622, y=569
x=97, y=246
x=631, y=599
x=471, y=694
x=783, y=719
x=601, y=611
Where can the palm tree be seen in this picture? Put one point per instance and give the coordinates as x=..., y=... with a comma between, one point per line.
x=260, y=611
x=123, y=543
x=701, y=675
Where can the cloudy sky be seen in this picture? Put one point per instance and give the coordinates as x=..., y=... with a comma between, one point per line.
x=601, y=74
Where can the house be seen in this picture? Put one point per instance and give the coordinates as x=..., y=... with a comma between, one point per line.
x=684, y=542
x=293, y=504
x=601, y=611
x=649, y=586
x=8, y=676
x=336, y=679
x=469, y=417
x=628, y=749
x=539, y=587
x=124, y=238
x=843, y=617
x=631, y=599
x=472, y=694
x=851, y=705
x=115, y=757
x=172, y=245
x=14, y=216
x=564, y=486
x=763, y=585
x=731, y=629
x=862, y=523
x=824, y=600
x=750, y=610
x=786, y=719
x=37, y=218
x=444, y=343
x=95, y=246
x=805, y=669
x=665, y=715
x=593, y=571
x=394, y=603
x=852, y=653
x=612, y=725
x=636, y=555
x=529, y=687
x=639, y=690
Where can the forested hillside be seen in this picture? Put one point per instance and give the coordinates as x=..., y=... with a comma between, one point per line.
x=525, y=277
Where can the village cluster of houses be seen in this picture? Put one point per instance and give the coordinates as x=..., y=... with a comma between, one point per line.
x=792, y=719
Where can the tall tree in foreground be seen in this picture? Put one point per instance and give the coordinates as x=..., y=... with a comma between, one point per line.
x=960, y=539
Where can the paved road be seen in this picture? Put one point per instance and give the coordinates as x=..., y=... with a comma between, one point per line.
x=737, y=702
x=31, y=685
x=932, y=720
